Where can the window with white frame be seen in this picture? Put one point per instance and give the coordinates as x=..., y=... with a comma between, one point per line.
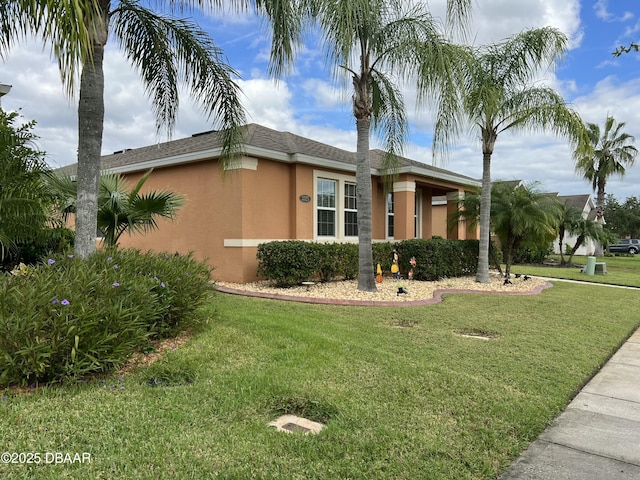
x=336, y=212
x=417, y=215
x=390, y=216
x=350, y=210
x=326, y=204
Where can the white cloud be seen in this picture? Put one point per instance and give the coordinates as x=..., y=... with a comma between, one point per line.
x=313, y=108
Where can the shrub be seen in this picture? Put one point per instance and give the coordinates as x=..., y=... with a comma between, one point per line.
x=346, y=255
x=382, y=254
x=438, y=258
x=48, y=242
x=336, y=260
x=68, y=317
x=179, y=282
x=532, y=254
x=289, y=262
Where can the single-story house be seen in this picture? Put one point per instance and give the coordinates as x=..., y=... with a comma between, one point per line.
x=587, y=208
x=285, y=187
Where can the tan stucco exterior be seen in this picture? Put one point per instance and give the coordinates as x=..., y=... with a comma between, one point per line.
x=270, y=195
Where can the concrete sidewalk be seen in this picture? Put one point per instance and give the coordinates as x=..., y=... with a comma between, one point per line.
x=598, y=436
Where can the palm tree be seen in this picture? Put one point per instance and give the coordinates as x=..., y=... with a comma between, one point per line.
x=119, y=210
x=521, y=217
x=568, y=217
x=468, y=213
x=377, y=43
x=497, y=96
x=584, y=229
x=612, y=151
x=165, y=50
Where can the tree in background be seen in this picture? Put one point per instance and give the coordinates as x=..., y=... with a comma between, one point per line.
x=623, y=219
x=24, y=202
x=612, y=151
x=622, y=49
x=568, y=216
x=573, y=223
x=498, y=96
x=583, y=229
x=119, y=209
x=522, y=217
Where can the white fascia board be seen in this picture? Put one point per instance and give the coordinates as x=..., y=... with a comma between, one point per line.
x=322, y=162
x=214, y=153
x=445, y=176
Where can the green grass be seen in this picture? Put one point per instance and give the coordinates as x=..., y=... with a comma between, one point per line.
x=620, y=270
x=402, y=403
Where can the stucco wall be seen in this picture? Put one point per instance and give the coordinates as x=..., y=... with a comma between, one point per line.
x=226, y=217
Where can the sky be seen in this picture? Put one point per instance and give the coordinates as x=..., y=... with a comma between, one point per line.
x=307, y=102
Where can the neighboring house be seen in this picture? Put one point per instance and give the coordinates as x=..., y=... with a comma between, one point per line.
x=285, y=187
x=585, y=205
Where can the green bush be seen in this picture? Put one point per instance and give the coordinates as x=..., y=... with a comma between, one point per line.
x=49, y=241
x=532, y=254
x=346, y=256
x=68, y=318
x=289, y=262
x=179, y=282
x=336, y=261
x=438, y=258
x=382, y=254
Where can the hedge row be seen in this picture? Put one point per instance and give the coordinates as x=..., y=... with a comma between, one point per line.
x=288, y=263
x=67, y=317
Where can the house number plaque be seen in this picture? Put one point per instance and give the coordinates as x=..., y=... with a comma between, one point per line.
x=305, y=198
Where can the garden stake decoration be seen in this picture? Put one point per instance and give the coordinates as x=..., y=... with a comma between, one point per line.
x=395, y=269
x=412, y=262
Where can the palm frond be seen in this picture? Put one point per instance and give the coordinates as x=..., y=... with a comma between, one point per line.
x=167, y=51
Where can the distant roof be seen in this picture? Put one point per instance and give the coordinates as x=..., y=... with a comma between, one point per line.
x=577, y=201
x=258, y=141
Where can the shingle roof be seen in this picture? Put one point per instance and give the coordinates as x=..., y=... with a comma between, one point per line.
x=577, y=201
x=256, y=136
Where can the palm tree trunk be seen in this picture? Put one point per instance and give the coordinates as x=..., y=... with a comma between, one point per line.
x=90, y=128
x=366, y=278
x=485, y=215
x=575, y=248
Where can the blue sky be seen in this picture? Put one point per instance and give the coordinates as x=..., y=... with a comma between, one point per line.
x=307, y=103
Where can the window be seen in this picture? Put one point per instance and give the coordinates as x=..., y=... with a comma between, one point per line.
x=390, y=217
x=350, y=210
x=326, y=201
x=417, y=215
x=336, y=212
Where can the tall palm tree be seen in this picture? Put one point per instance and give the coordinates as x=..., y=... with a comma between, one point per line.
x=468, y=213
x=612, y=151
x=165, y=50
x=378, y=43
x=119, y=210
x=498, y=96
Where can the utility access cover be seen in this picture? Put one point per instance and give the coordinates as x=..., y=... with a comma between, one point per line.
x=294, y=424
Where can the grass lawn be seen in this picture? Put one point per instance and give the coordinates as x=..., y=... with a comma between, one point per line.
x=620, y=270
x=418, y=401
